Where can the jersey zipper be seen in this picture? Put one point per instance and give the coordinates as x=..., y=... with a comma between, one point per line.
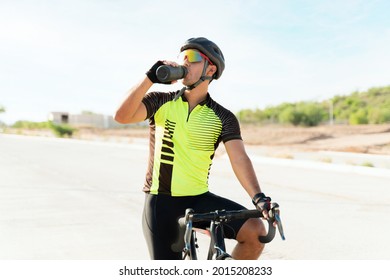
x=189, y=112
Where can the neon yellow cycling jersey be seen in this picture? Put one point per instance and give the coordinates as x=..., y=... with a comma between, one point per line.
x=183, y=143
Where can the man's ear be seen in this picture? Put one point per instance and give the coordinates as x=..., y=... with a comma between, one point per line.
x=212, y=70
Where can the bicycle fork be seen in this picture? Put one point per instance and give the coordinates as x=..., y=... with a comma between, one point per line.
x=217, y=243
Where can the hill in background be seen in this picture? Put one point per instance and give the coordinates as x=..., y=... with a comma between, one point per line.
x=368, y=107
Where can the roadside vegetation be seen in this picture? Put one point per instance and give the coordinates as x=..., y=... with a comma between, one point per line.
x=62, y=130
x=368, y=107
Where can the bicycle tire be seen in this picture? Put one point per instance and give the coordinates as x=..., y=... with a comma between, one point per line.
x=224, y=257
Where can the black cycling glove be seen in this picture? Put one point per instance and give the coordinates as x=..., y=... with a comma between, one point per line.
x=262, y=202
x=152, y=73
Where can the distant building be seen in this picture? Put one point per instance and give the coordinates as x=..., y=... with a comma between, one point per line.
x=84, y=120
x=58, y=117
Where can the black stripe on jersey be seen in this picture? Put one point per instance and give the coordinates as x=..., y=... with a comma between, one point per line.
x=167, y=154
x=165, y=178
x=166, y=157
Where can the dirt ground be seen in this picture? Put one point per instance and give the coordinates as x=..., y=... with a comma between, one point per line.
x=373, y=139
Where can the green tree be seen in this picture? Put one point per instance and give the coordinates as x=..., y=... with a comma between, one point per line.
x=290, y=115
x=379, y=115
x=359, y=117
x=250, y=116
x=371, y=106
x=30, y=125
x=312, y=114
x=62, y=130
x=303, y=113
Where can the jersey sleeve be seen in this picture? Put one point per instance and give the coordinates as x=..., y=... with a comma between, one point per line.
x=151, y=102
x=154, y=100
x=230, y=128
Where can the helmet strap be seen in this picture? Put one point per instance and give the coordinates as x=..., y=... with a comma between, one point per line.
x=202, y=78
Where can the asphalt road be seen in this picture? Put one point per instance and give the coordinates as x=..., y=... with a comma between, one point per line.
x=71, y=199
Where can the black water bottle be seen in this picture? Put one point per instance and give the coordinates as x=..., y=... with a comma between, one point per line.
x=167, y=73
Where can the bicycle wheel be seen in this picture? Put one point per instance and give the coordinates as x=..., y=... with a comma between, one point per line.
x=225, y=257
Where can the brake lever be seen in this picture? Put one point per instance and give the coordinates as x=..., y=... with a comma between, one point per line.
x=280, y=226
x=275, y=214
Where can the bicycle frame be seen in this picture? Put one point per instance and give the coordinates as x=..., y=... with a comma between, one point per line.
x=217, y=248
x=187, y=242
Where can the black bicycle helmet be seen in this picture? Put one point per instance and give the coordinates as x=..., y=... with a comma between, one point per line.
x=210, y=49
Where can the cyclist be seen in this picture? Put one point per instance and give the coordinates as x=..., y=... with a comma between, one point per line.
x=186, y=128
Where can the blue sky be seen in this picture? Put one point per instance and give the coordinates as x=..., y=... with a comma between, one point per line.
x=80, y=55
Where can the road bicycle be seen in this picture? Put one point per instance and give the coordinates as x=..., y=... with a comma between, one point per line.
x=187, y=241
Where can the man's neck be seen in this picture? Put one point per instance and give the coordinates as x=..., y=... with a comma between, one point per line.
x=196, y=95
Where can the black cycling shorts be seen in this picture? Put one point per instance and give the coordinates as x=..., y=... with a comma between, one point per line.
x=161, y=213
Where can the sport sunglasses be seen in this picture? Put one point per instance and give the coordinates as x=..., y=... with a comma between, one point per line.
x=194, y=56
